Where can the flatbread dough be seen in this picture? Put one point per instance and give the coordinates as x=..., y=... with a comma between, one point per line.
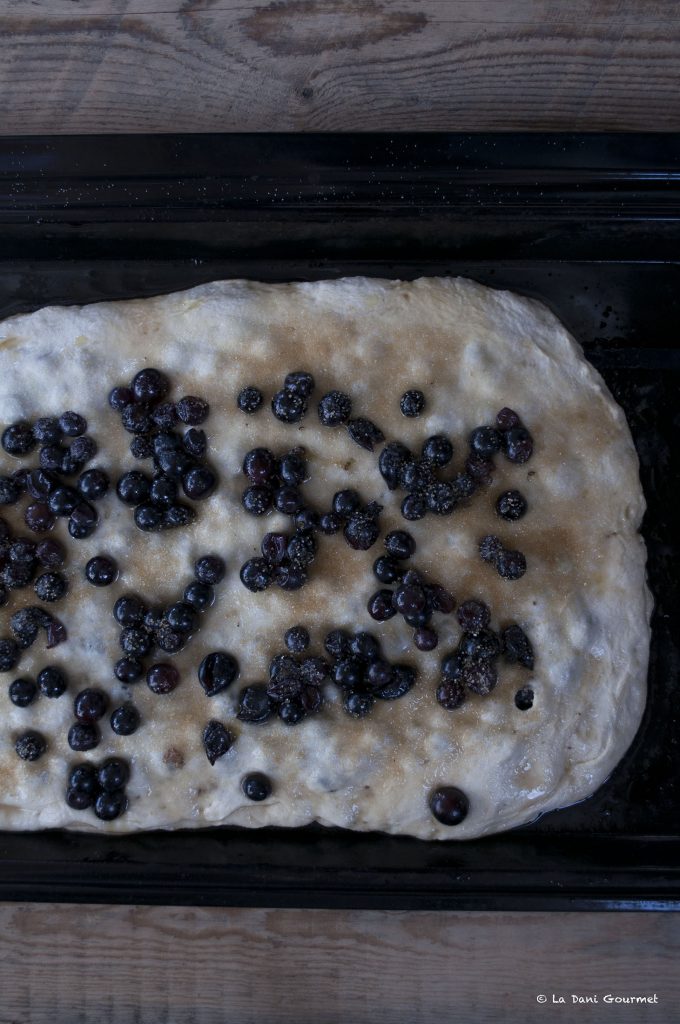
x=583, y=600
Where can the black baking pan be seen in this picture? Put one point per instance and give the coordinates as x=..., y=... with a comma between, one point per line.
x=590, y=224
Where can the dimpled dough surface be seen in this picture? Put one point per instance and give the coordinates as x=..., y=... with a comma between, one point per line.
x=583, y=600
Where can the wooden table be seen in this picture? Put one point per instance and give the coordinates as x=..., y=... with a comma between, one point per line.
x=112, y=65
x=332, y=65
x=98, y=965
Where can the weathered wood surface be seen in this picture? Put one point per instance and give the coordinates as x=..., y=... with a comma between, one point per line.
x=250, y=65
x=78, y=965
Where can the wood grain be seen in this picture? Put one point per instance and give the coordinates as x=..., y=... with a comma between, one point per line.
x=195, y=966
x=224, y=65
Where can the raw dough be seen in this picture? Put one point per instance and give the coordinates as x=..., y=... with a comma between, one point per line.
x=583, y=600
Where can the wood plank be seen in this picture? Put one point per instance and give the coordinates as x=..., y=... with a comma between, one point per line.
x=347, y=65
x=442, y=10
x=198, y=965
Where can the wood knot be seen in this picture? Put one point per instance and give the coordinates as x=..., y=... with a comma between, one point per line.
x=301, y=27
